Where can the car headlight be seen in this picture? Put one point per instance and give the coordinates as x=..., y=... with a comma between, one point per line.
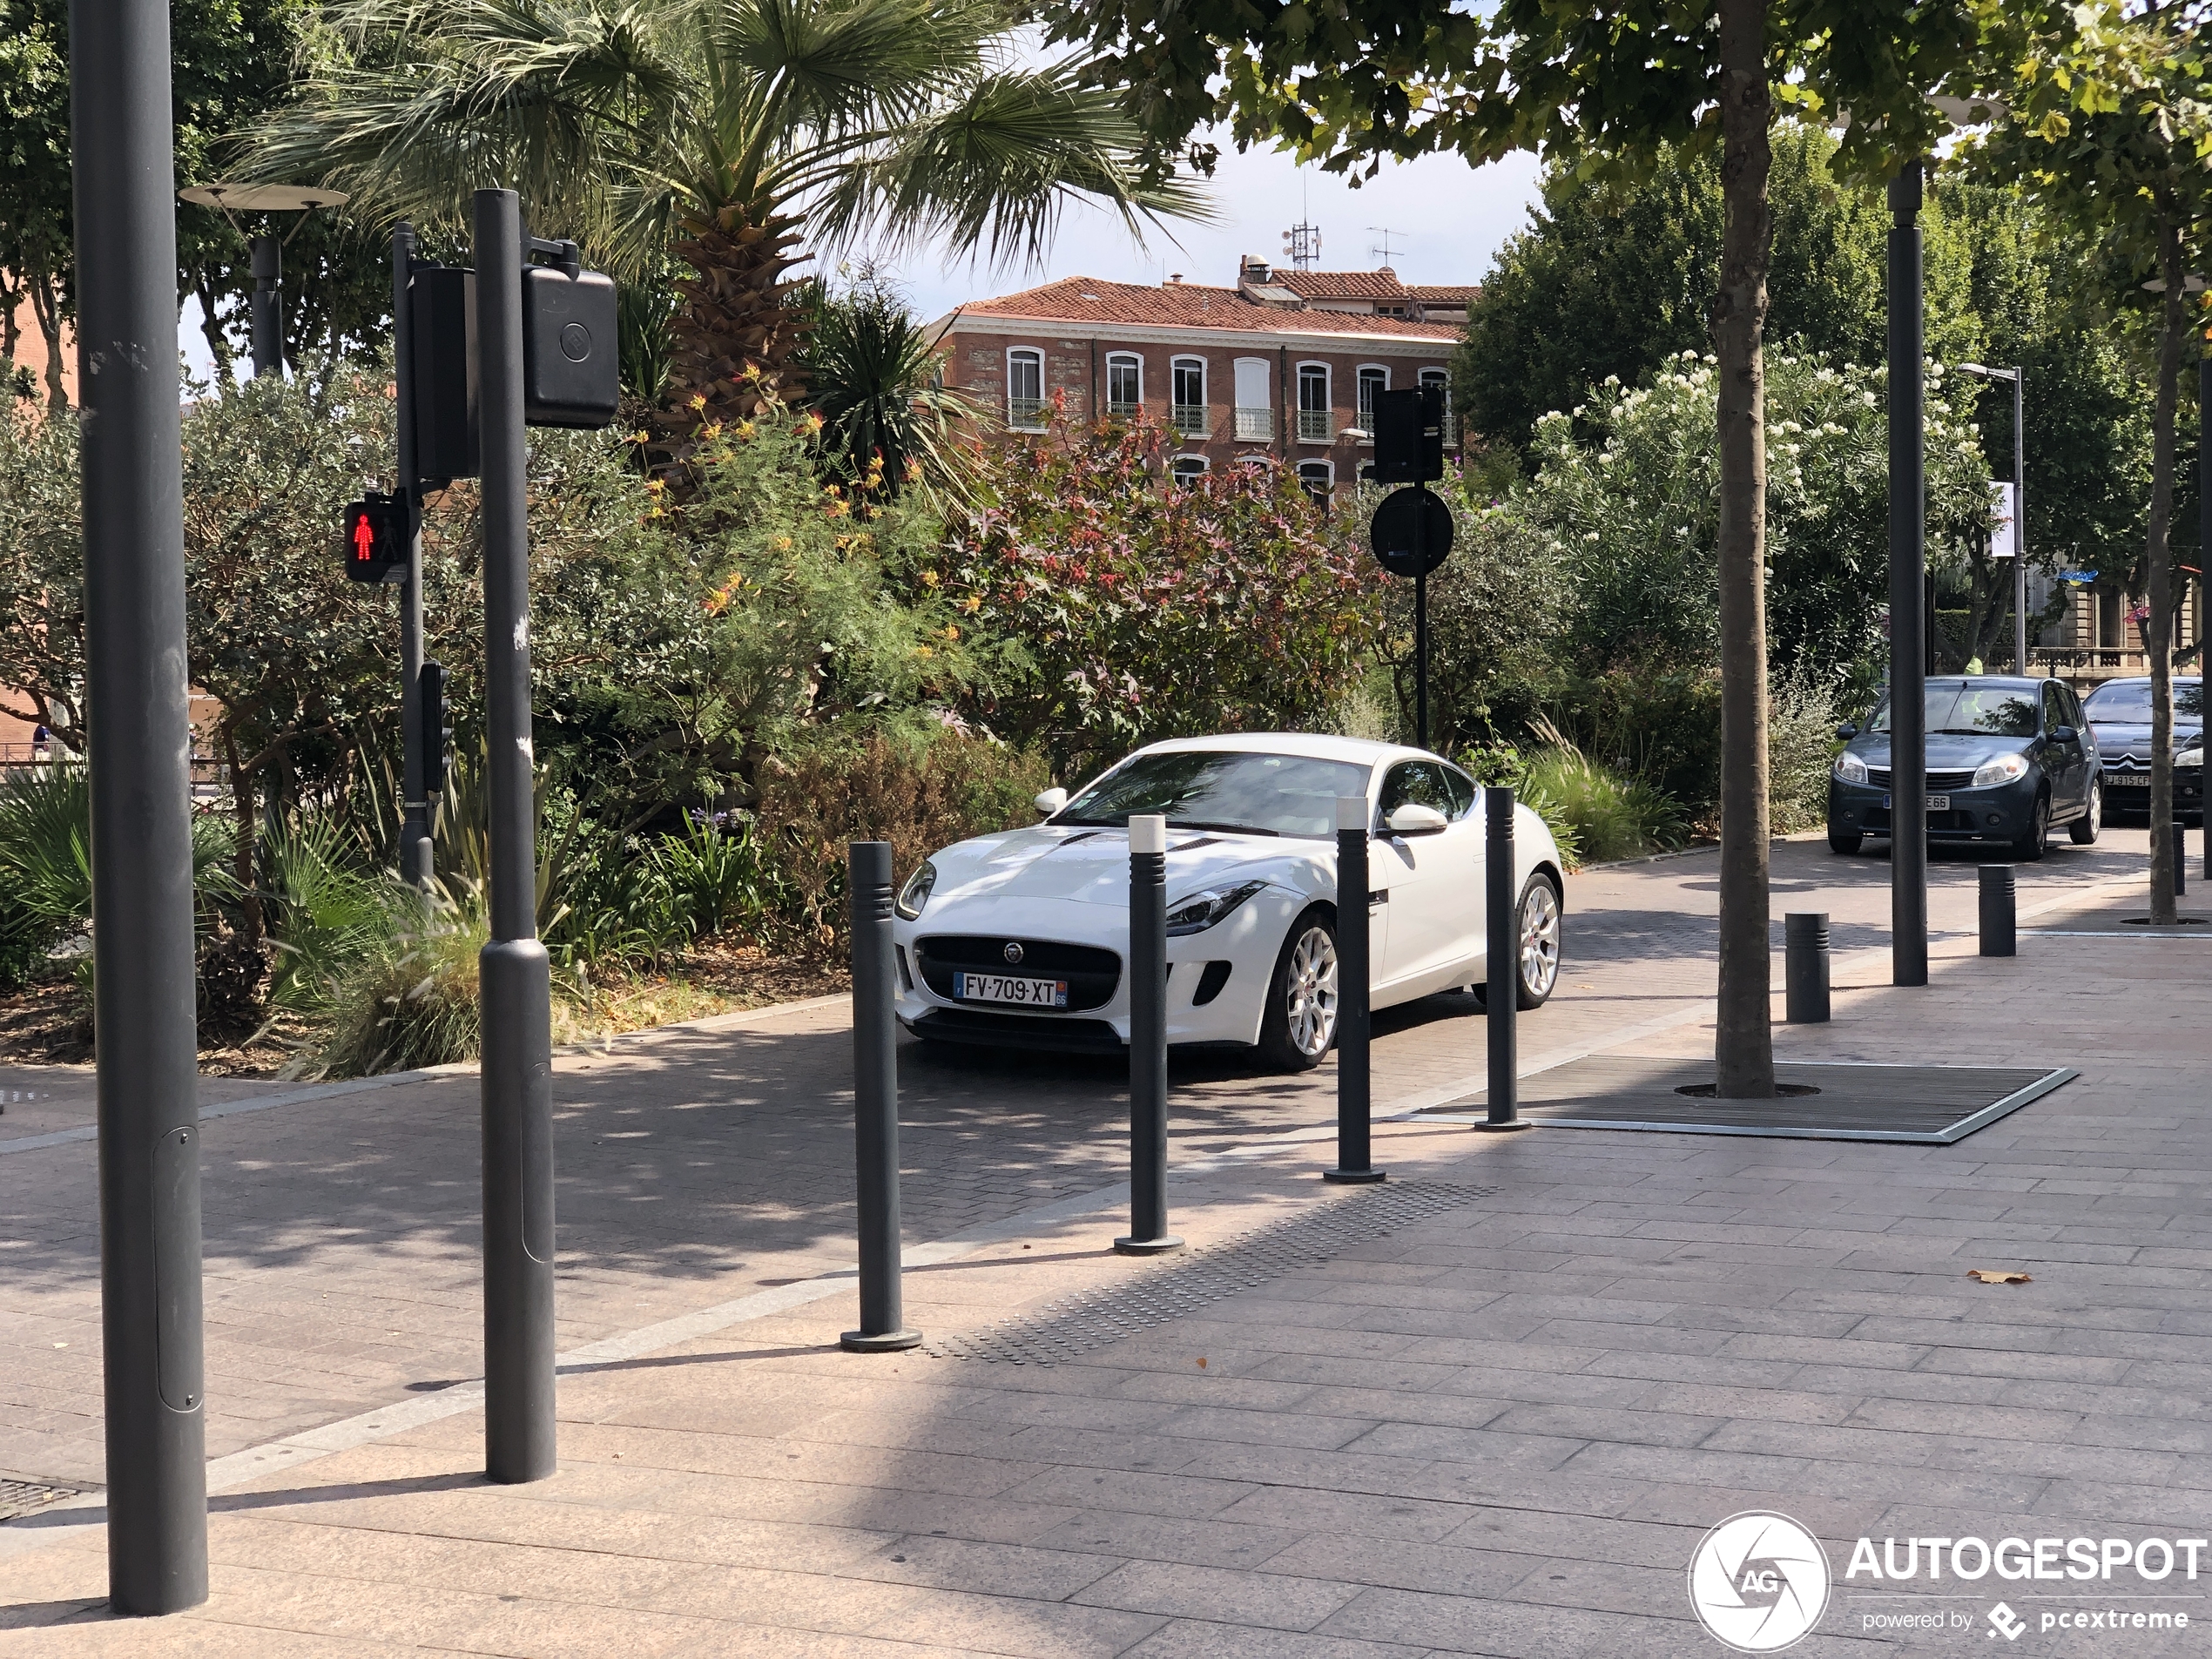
x=916, y=892
x=1850, y=768
x=2189, y=757
x=1201, y=910
x=2002, y=770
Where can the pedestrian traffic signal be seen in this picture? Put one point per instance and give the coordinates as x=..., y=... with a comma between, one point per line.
x=376, y=536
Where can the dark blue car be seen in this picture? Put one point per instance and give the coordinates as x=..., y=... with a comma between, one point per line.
x=2119, y=713
x=2007, y=759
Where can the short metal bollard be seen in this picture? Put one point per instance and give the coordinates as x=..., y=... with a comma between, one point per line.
x=1998, y=932
x=1805, y=966
x=875, y=1105
x=1501, y=962
x=1148, y=1040
x=1354, y=1148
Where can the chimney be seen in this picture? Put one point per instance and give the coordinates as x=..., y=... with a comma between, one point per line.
x=1255, y=270
x=1177, y=277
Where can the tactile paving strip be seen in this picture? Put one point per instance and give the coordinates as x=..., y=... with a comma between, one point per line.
x=21, y=1497
x=1184, y=1284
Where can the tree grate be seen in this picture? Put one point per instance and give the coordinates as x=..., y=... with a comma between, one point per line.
x=1181, y=1284
x=21, y=1497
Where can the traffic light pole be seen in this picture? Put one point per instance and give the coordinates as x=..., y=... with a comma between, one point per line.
x=416, y=864
x=141, y=786
x=514, y=974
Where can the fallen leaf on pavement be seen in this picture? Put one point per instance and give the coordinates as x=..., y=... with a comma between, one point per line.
x=1999, y=1276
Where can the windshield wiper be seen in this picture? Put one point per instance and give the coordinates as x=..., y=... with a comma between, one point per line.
x=1234, y=829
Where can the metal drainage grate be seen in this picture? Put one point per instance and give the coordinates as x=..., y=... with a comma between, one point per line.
x=1094, y=1318
x=21, y=1497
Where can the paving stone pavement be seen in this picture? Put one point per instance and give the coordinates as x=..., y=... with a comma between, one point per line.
x=1501, y=1430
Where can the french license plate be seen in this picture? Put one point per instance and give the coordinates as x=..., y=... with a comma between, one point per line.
x=1936, y=803
x=1005, y=988
x=2129, y=779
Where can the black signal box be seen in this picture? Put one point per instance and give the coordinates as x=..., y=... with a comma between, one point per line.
x=376, y=531
x=443, y=342
x=1409, y=435
x=571, y=372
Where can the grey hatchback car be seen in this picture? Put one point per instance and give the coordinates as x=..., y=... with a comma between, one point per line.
x=2007, y=759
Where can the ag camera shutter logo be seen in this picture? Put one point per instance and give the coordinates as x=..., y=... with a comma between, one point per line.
x=1759, y=1581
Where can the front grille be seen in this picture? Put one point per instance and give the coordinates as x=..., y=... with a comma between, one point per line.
x=1937, y=781
x=1092, y=973
x=1018, y=1031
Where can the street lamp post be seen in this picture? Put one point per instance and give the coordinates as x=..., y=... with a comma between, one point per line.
x=2018, y=377
x=1908, y=566
x=266, y=316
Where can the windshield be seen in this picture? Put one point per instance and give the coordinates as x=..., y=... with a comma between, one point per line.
x=2128, y=701
x=1198, y=789
x=1973, y=712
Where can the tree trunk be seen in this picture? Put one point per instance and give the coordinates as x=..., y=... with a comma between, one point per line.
x=249, y=902
x=1743, y=1052
x=734, y=334
x=2159, y=574
x=46, y=306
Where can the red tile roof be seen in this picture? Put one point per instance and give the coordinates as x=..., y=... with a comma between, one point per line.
x=1344, y=285
x=1446, y=296
x=1076, y=300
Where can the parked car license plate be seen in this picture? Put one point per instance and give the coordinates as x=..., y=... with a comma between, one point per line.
x=1936, y=803
x=2139, y=780
x=1005, y=988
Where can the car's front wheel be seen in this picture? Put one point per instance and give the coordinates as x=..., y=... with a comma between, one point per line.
x=2084, y=829
x=1300, y=1019
x=2029, y=847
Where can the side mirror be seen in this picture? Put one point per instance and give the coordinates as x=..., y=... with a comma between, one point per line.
x=2064, y=734
x=1847, y=732
x=1413, y=819
x=1050, y=801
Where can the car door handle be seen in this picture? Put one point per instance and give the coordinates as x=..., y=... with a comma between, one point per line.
x=1380, y=896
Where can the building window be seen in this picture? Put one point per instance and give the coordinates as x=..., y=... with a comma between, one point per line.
x=1371, y=381
x=1316, y=420
x=1442, y=380
x=1255, y=420
x=1025, y=409
x=1188, y=413
x=1124, y=386
x=1187, y=470
x=1319, y=478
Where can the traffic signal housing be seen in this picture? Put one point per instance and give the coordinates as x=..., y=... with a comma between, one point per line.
x=376, y=531
x=1409, y=435
x=437, y=736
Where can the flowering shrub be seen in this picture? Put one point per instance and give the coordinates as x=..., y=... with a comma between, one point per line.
x=1132, y=608
x=1628, y=486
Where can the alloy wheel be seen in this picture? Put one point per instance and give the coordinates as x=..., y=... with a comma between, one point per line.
x=1311, y=993
x=1539, y=940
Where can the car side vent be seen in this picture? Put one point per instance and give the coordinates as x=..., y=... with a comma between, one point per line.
x=1210, y=984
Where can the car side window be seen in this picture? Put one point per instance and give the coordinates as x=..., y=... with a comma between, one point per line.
x=1414, y=782
x=2074, y=717
x=2053, y=711
x=1464, y=793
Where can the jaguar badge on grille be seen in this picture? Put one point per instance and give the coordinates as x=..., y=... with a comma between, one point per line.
x=1012, y=953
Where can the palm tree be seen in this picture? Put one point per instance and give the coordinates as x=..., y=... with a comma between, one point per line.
x=723, y=133
x=874, y=377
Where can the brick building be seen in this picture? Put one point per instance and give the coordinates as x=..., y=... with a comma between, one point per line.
x=1281, y=368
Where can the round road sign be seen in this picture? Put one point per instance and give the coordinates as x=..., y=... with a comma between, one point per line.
x=1410, y=519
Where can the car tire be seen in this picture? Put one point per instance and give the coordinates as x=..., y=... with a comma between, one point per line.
x=1537, y=979
x=2029, y=848
x=2084, y=829
x=1302, y=993
x=1844, y=841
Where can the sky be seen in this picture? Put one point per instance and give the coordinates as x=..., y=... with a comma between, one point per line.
x=1445, y=223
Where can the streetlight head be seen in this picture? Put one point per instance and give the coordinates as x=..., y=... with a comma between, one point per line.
x=1989, y=374
x=261, y=199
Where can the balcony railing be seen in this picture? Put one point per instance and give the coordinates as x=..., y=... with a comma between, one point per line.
x=1191, y=420
x=1123, y=408
x=1255, y=424
x=1315, y=426
x=1026, y=413
x=2087, y=662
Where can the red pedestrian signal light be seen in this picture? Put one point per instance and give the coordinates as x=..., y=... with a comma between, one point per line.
x=376, y=539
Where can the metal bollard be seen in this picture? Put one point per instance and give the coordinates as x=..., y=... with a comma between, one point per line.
x=875, y=1105
x=1997, y=937
x=1148, y=1040
x=1354, y=971
x=1501, y=961
x=1804, y=967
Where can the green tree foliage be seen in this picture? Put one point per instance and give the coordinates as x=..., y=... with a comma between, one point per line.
x=1129, y=609
x=873, y=378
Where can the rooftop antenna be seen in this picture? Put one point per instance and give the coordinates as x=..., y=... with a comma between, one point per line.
x=1383, y=250
x=1302, y=242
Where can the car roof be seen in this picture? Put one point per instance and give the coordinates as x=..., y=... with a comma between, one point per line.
x=2140, y=679
x=1311, y=744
